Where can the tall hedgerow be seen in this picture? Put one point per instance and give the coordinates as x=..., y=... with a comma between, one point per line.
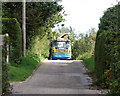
x=107, y=51
x=12, y=27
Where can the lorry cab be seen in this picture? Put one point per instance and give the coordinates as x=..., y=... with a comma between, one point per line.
x=61, y=48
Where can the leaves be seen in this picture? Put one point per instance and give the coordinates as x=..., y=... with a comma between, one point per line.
x=84, y=46
x=108, y=58
x=38, y=14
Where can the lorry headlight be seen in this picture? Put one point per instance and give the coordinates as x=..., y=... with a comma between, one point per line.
x=53, y=49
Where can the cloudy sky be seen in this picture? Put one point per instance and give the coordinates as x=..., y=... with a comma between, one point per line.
x=85, y=14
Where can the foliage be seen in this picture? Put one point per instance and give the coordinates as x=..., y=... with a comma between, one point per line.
x=40, y=18
x=5, y=80
x=41, y=46
x=89, y=62
x=38, y=14
x=12, y=27
x=23, y=70
x=10, y=10
x=107, y=56
x=84, y=46
x=84, y=56
x=42, y=15
x=32, y=55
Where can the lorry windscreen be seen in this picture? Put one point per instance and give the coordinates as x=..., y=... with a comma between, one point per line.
x=61, y=44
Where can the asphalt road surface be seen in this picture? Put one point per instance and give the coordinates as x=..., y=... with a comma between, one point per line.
x=57, y=77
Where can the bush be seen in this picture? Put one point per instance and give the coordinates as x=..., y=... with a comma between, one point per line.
x=40, y=46
x=84, y=56
x=12, y=27
x=31, y=54
x=84, y=45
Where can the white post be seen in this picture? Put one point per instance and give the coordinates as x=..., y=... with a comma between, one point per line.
x=7, y=46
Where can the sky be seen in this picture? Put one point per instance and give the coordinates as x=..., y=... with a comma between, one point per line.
x=85, y=14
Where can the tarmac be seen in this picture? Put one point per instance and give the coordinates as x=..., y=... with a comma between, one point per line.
x=57, y=77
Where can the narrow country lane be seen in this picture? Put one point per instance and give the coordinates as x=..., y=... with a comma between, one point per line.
x=57, y=77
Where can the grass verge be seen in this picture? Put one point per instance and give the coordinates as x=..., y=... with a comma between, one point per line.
x=89, y=62
x=20, y=72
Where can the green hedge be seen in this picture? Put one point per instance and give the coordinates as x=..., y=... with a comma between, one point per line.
x=12, y=27
x=107, y=51
x=100, y=57
x=108, y=25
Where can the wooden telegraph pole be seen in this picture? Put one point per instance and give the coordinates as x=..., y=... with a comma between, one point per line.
x=24, y=27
